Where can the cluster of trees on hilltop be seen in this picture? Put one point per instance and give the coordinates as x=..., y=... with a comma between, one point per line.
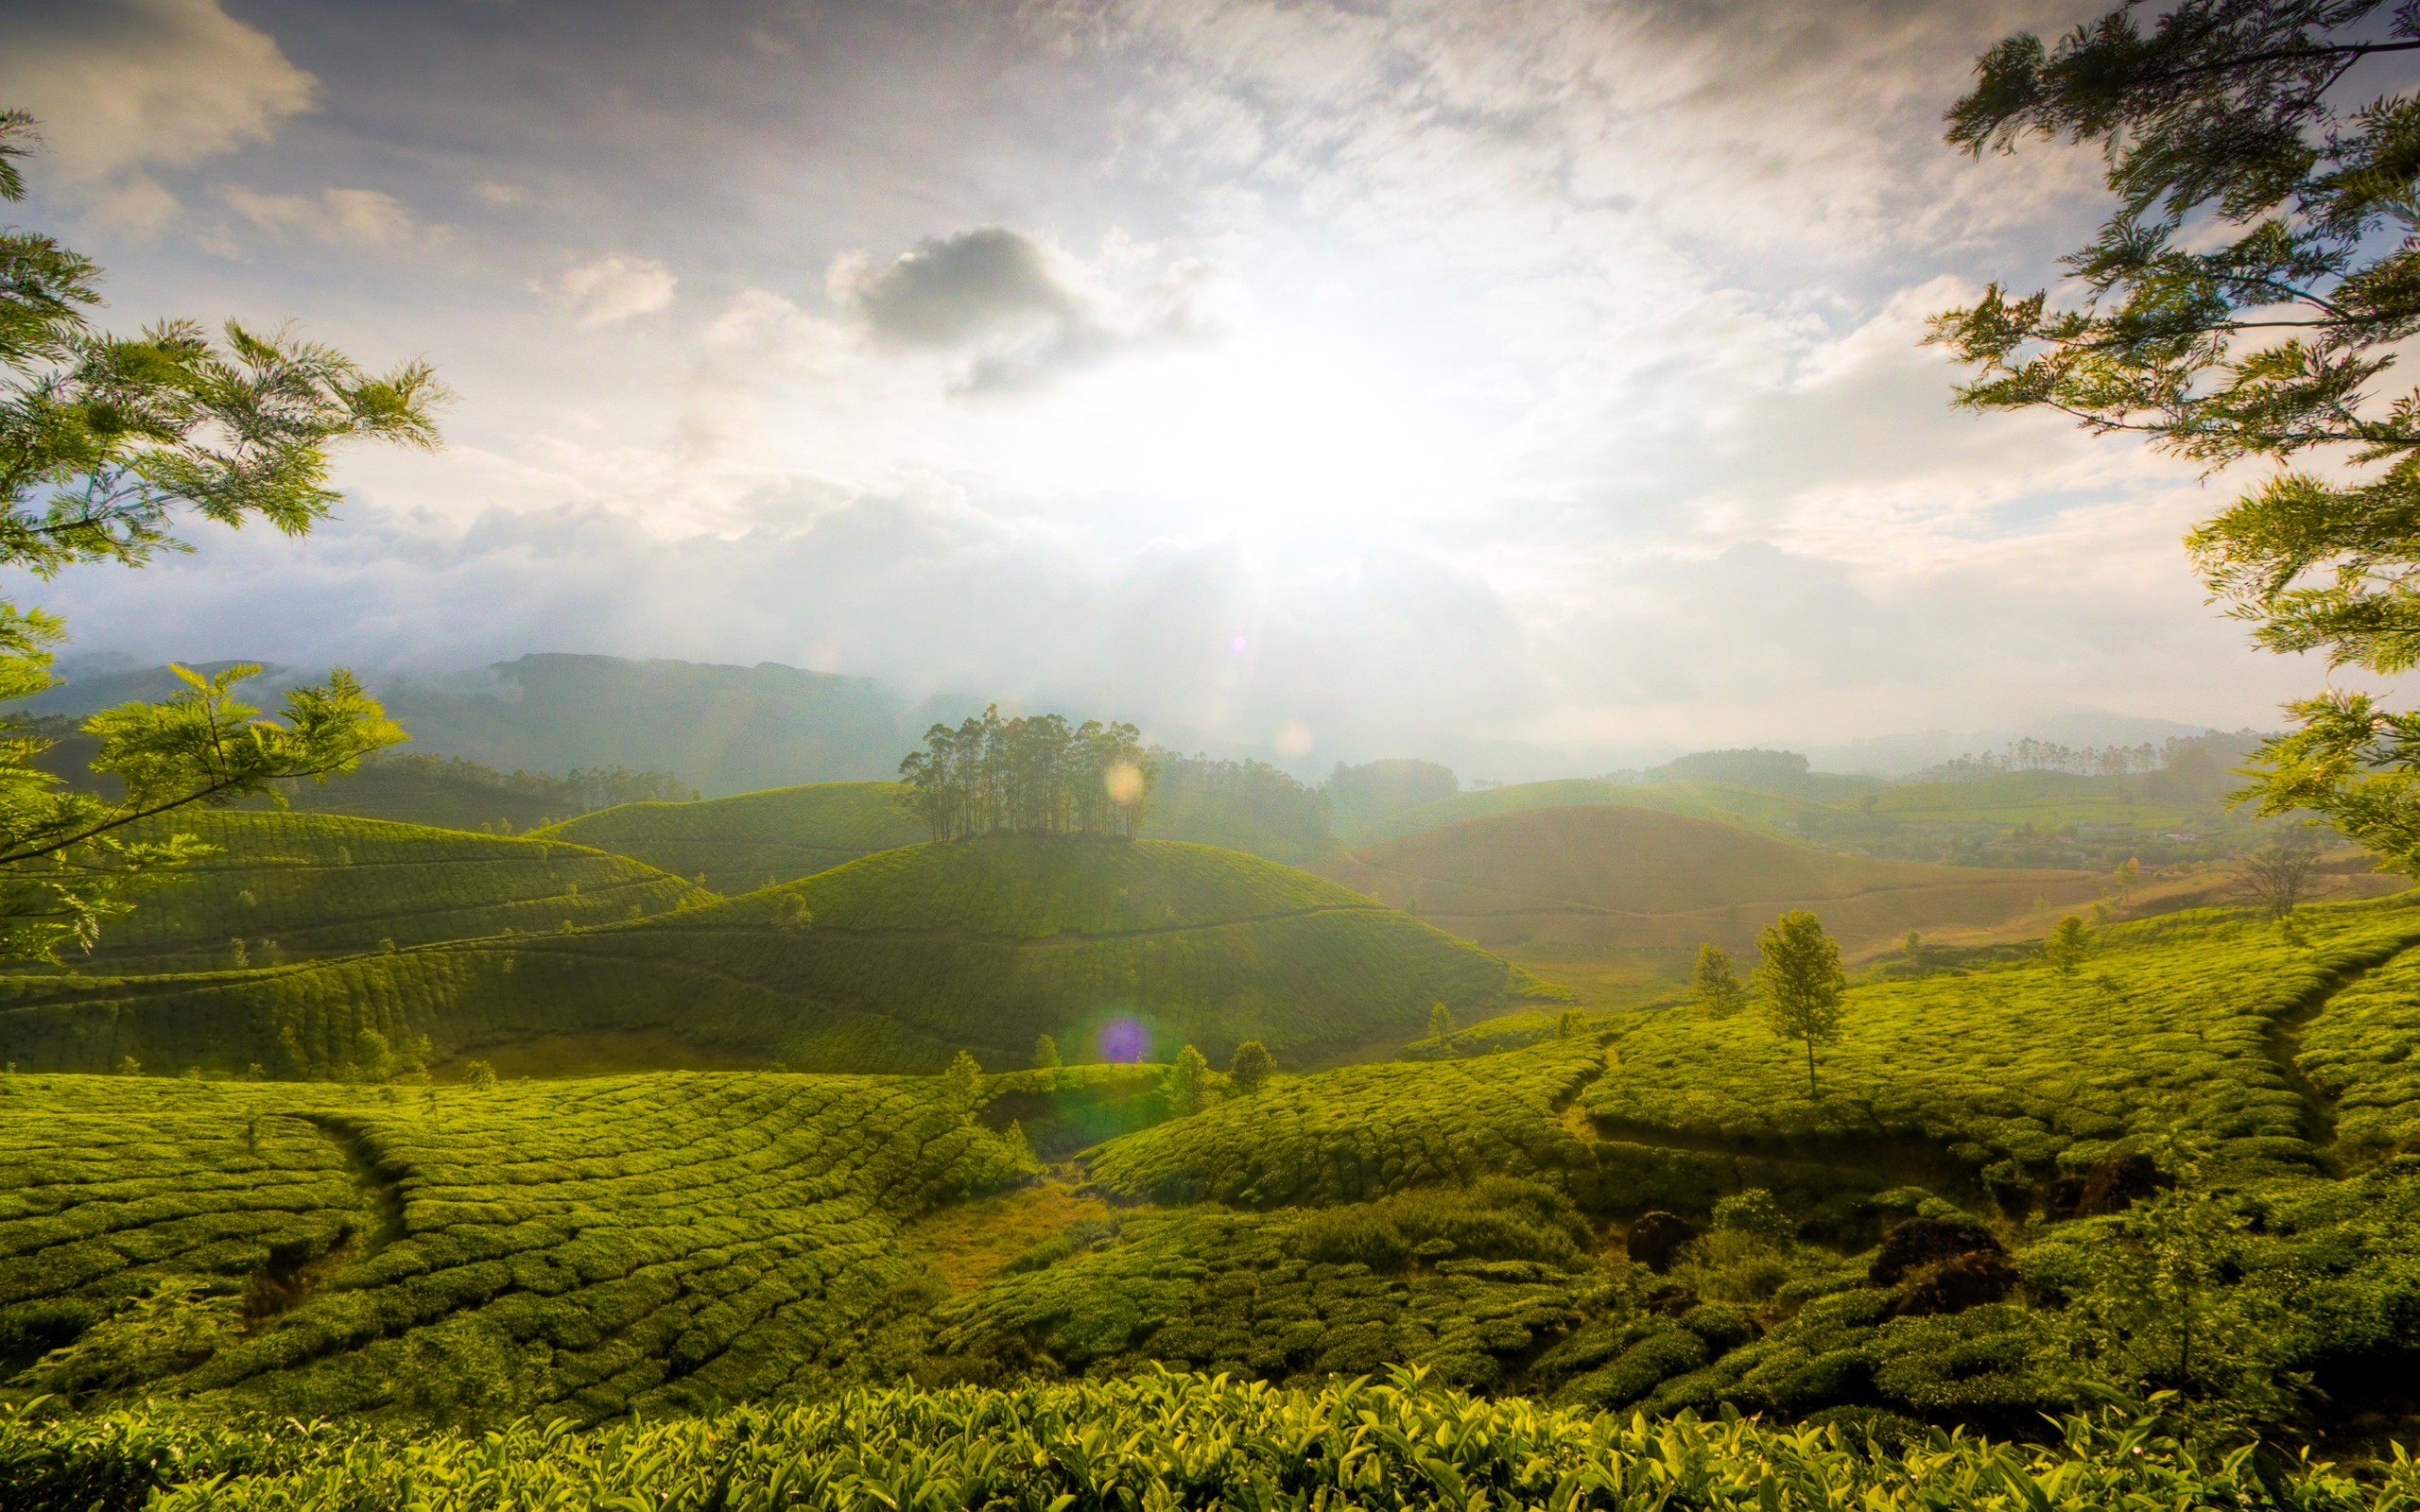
x=1034, y=775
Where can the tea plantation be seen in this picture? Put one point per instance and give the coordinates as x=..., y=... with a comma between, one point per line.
x=890, y=963
x=578, y=1249
x=1972, y=1223
x=735, y=845
x=1633, y=877
x=293, y=886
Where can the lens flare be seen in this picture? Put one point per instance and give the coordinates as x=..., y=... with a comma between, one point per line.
x=1124, y=1041
x=1124, y=782
x=1294, y=739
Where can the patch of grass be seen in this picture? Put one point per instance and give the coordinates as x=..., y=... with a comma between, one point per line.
x=971, y=1242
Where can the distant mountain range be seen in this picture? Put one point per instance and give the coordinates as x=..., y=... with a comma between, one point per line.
x=723, y=730
x=727, y=729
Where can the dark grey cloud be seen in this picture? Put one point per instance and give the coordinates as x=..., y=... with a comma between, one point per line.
x=1019, y=310
x=951, y=291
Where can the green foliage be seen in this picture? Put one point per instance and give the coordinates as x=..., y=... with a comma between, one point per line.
x=735, y=843
x=964, y=1083
x=1156, y=1440
x=1360, y=1132
x=103, y=441
x=1718, y=992
x=1360, y=798
x=1341, y=1291
x=1046, y=1052
x=1441, y=1023
x=2148, y=1305
x=2004, y=1065
x=2068, y=946
x=1754, y=1211
x=915, y=954
x=478, y=1075
x=580, y=1249
x=1028, y=776
x=278, y=876
x=2248, y=202
x=1251, y=1067
x=1185, y=1089
x=1247, y=805
x=1800, y=984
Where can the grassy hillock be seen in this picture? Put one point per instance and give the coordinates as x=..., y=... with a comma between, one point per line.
x=1604, y=877
x=573, y=1249
x=888, y=963
x=735, y=845
x=1361, y=1132
x=304, y=884
x=2175, y=1026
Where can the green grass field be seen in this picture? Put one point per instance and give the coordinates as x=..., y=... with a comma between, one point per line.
x=306, y=885
x=889, y=963
x=736, y=844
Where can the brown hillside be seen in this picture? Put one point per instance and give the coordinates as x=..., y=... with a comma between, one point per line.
x=1636, y=879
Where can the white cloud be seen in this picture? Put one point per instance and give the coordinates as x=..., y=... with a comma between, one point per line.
x=500, y=193
x=124, y=85
x=135, y=205
x=334, y=218
x=614, y=289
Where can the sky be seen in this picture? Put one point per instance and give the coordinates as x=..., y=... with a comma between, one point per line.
x=1326, y=380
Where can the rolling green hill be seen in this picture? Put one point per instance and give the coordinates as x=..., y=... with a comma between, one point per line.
x=888, y=963
x=683, y=1241
x=295, y=886
x=1604, y=877
x=735, y=845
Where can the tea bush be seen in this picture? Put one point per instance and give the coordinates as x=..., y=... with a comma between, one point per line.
x=2167, y=1028
x=1157, y=1441
x=1360, y=1132
x=580, y=1248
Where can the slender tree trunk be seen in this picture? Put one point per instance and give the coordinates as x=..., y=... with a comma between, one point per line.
x=1810, y=1068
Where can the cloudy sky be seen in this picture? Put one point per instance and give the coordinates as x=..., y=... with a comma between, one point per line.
x=1336, y=378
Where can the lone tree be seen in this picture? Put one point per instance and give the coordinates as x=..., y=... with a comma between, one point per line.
x=1801, y=984
x=963, y=1084
x=1186, y=1088
x=1252, y=1067
x=1441, y=1021
x=2242, y=303
x=1046, y=1054
x=2068, y=945
x=104, y=442
x=2278, y=877
x=1719, y=993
